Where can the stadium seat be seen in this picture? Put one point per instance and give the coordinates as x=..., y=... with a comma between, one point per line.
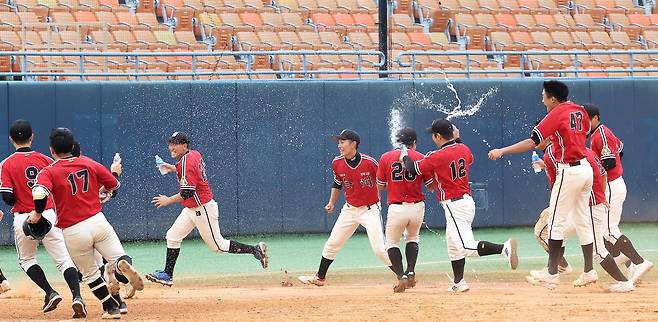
x=585, y=22
x=621, y=22
x=360, y=41
x=294, y=19
x=624, y=40
x=291, y=38
x=149, y=20
x=403, y=22
x=333, y=40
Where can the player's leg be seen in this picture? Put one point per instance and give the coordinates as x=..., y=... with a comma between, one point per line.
x=371, y=219
x=412, y=238
x=343, y=229
x=456, y=253
x=182, y=226
x=4, y=283
x=27, y=258
x=617, y=195
x=107, y=243
x=395, y=226
x=53, y=242
x=599, y=221
x=79, y=240
x=206, y=220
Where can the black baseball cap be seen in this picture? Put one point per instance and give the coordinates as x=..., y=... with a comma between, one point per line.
x=178, y=138
x=442, y=127
x=406, y=136
x=592, y=110
x=347, y=134
x=20, y=131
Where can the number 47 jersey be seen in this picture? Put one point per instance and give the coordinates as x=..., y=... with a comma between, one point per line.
x=449, y=166
x=18, y=176
x=74, y=183
x=401, y=185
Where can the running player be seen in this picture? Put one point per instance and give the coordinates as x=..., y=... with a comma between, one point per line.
x=200, y=212
x=609, y=148
x=566, y=124
x=74, y=183
x=17, y=177
x=357, y=173
x=450, y=165
x=406, y=207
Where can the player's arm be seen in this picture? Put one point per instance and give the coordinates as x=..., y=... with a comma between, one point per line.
x=382, y=176
x=539, y=133
x=6, y=186
x=162, y=200
x=333, y=197
x=40, y=193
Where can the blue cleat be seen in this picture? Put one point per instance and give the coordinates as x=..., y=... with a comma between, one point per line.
x=160, y=277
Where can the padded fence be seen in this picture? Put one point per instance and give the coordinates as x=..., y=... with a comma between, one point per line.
x=268, y=152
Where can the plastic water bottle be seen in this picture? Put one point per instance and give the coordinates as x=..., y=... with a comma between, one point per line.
x=159, y=164
x=535, y=160
x=117, y=158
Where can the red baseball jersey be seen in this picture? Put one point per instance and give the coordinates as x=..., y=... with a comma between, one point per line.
x=74, y=183
x=359, y=182
x=567, y=125
x=401, y=186
x=191, y=172
x=606, y=145
x=551, y=165
x=598, y=186
x=19, y=174
x=449, y=167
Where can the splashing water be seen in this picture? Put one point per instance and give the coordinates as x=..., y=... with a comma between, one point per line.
x=395, y=124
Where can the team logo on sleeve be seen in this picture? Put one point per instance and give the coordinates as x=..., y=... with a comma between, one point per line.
x=183, y=182
x=605, y=151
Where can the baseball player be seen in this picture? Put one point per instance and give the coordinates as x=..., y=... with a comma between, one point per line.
x=357, y=173
x=17, y=177
x=4, y=283
x=73, y=183
x=608, y=148
x=200, y=212
x=406, y=207
x=450, y=165
x=566, y=124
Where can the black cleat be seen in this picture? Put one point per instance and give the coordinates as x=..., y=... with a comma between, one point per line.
x=50, y=301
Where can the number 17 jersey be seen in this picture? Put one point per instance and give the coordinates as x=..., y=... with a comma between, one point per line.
x=449, y=166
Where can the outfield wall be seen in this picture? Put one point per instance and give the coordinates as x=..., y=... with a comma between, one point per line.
x=268, y=151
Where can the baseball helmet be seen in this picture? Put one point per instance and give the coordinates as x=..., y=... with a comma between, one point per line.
x=38, y=230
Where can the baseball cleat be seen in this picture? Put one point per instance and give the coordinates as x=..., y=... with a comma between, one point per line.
x=459, y=287
x=543, y=278
x=4, y=286
x=509, y=251
x=127, y=270
x=130, y=291
x=586, y=278
x=111, y=314
x=160, y=277
x=402, y=284
x=412, y=279
x=622, y=287
x=123, y=308
x=564, y=270
x=261, y=254
x=639, y=270
x=79, y=308
x=308, y=279
x=50, y=301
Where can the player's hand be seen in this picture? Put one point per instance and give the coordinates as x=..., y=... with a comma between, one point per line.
x=455, y=132
x=116, y=167
x=403, y=153
x=34, y=217
x=541, y=164
x=2, y=215
x=161, y=201
x=169, y=167
x=329, y=208
x=495, y=154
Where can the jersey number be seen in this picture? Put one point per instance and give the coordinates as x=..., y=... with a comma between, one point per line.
x=31, y=175
x=576, y=121
x=399, y=174
x=82, y=174
x=458, y=169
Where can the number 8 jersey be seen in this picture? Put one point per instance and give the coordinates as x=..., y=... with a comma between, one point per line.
x=74, y=183
x=449, y=166
x=18, y=176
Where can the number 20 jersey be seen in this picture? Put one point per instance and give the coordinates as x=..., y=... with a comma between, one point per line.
x=18, y=176
x=74, y=183
x=401, y=186
x=449, y=166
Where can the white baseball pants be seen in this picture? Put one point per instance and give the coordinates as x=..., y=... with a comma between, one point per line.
x=204, y=218
x=459, y=233
x=615, y=192
x=53, y=242
x=404, y=218
x=88, y=236
x=570, y=198
x=598, y=216
x=348, y=221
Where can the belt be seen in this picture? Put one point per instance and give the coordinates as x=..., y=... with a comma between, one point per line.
x=575, y=163
x=453, y=200
x=399, y=203
x=571, y=164
x=369, y=206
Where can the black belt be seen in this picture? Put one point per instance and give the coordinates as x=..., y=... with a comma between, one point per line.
x=455, y=199
x=575, y=163
x=399, y=203
x=374, y=204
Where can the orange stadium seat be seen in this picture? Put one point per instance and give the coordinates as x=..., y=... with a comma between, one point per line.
x=622, y=21
x=322, y=20
x=360, y=40
x=585, y=22
x=149, y=20
x=295, y=20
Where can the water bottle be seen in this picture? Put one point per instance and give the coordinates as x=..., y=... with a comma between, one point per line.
x=117, y=158
x=535, y=162
x=158, y=163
